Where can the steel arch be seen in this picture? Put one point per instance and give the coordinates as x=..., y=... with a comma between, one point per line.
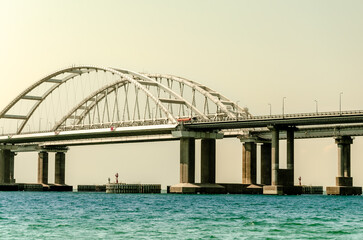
x=77, y=70
x=214, y=96
x=139, y=80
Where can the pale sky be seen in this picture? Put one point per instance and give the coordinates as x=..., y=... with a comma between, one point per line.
x=254, y=52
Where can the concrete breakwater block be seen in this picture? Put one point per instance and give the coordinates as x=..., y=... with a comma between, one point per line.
x=343, y=190
x=30, y=187
x=282, y=190
x=21, y=187
x=9, y=187
x=91, y=188
x=132, y=188
x=219, y=188
x=193, y=188
x=60, y=188
x=312, y=189
x=237, y=188
x=35, y=187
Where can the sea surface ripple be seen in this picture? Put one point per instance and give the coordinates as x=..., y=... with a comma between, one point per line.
x=52, y=215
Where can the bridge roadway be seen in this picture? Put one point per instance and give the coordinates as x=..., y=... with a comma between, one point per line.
x=324, y=118
x=308, y=125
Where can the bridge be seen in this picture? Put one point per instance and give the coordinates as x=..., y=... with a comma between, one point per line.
x=85, y=105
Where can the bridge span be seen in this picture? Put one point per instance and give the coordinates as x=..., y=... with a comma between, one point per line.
x=85, y=105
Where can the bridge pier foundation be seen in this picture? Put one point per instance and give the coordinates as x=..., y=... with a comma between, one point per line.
x=344, y=181
x=43, y=167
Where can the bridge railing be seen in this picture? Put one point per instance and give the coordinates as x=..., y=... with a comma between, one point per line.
x=280, y=116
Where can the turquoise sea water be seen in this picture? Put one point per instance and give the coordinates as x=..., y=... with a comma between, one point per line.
x=51, y=215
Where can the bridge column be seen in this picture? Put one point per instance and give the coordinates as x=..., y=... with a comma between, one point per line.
x=11, y=166
x=266, y=164
x=187, y=160
x=274, y=188
x=43, y=167
x=275, y=156
x=288, y=178
x=59, y=168
x=208, y=161
x=7, y=166
x=249, y=163
x=344, y=181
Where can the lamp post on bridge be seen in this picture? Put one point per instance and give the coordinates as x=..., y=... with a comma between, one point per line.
x=270, y=109
x=283, y=106
x=316, y=106
x=237, y=110
x=340, y=103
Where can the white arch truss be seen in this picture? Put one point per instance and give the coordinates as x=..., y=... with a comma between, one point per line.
x=161, y=98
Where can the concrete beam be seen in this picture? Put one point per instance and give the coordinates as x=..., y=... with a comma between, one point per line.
x=33, y=148
x=309, y=132
x=197, y=135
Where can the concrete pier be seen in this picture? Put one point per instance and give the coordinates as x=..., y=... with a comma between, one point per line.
x=43, y=167
x=290, y=148
x=187, y=167
x=249, y=163
x=266, y=164
x=275, y=155
x=282, y=180
x=208, y=161
x=344, y=181
x=59, y=168
x=187, y=160
x=288, y=177
x=7, y=166
x=249, y=169
x=187, y=163
x=274, y=188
